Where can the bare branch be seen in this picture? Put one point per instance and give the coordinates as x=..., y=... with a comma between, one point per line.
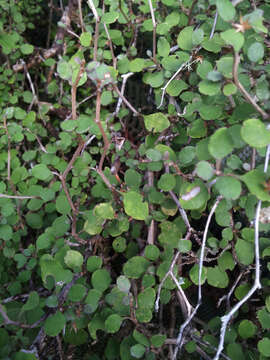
x=154, y=29
x=187, y=322
x=257, y=284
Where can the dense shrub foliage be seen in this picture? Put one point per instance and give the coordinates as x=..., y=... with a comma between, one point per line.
x=134, y=190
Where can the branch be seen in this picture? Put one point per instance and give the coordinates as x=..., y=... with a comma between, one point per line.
x=169, y=273
x=243, y=90
x=154, y=30
x=56, y=48
x=186, y=323
x=257, y=284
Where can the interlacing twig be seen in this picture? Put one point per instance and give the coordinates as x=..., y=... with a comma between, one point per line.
x=188, y=320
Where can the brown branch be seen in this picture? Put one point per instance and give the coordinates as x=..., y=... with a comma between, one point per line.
x=80, y=15
x=56, y=48
x=8, y=321
x=243, y=90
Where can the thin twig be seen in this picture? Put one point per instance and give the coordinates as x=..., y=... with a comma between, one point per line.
x=115, y=88
x=92, y=7
x=80, y=15
x=186, y=65
x=154, y=30
x=181, y=210
x=214, y=25
x=111, y=46
x=18, y=197
x=243, y=90
x=257, y=284
x=119, y=102
x=187, y=322
x=169, y=272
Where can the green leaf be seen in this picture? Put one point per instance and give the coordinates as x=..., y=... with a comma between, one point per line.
x=104, y=211
x=194, y=195
x=146, y=298
x=113, y=323
x=32, y=301
x=204, y=68
x=92, y=300
x=133, y=178
x=158, y=340
x=184, y=246
x=255, y=52
x=140, y=338
x=216, y=277
x=93, y=263
x=176, y=87
x=207, y=87
x=225, y=66
x=204, y=170
x=110, y=17
x=154, y=79
x=123, y=283
x=235, y=351
x=163, y=47
x=244, y=251
x=186, y=155
x=64, y=70
x=229, y=89
x=156, y=122
x=77, y=292
x=85, y=39
x=225, y=9
x=226, y=261
x=54, y=324
x=134, y=206
x=184, y=39
x=27, y=49
x=264, y=318
x=119, y=244
x=6, y=232
x=246, y=329
x=228, y=187
x=135, y=267
x=194, y=274
x=101, y=279
x=264, y=346
x=254, y=180
x=74, y=259
x=93, y=224
x=220, y=144
x=137, y=351
x=34, y=220
x=151, y=252
x=52, y=301
x=167, y=182
x=197, y=129
x=210, y=112
x=233, y=38
x=255, y=133
x=41, y=172
x=106, y=98
x=137, y=65
x=62, y=205
x=197, y=36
